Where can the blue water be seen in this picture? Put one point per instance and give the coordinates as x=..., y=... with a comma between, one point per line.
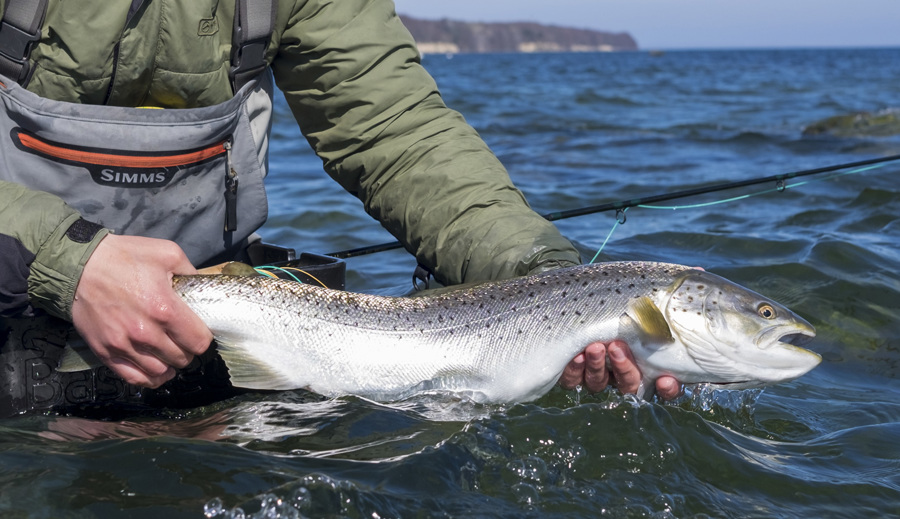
x=573, y=130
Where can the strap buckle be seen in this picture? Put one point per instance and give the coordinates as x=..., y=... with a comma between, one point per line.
x=15, y=46
x=247, y=60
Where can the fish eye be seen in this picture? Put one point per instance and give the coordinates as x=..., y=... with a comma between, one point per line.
x=766, y=311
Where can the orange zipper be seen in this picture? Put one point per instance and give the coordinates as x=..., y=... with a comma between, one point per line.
x=123, y=161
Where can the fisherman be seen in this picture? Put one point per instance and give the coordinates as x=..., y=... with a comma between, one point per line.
x=135, y=137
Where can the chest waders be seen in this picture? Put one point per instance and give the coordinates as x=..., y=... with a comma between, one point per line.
x=194, y=176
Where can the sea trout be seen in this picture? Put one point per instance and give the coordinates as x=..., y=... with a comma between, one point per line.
x=498, y=342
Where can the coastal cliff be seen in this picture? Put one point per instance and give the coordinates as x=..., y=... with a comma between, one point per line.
x=451, y=36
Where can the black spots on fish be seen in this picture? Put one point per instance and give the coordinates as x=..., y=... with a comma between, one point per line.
x=643, y=276
x=605, y=273
x=690, y=299
x=531, y=294
x=590, y=294
x=564, y=294
x=631, y=285
x=578, y=313
x=618, y=291
x=701, y=287
x=584, y=284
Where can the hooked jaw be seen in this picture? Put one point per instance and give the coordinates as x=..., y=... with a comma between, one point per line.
x=782, y=359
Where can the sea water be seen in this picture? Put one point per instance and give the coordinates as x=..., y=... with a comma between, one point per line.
x=573, y=130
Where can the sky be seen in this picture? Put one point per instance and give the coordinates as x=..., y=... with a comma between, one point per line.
x=679, y=24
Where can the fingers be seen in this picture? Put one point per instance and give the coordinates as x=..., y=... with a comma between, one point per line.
x=667, y=388
x=591, y=370
x=186, y=330
x=587, y=369
x=573, y=375
x=141, y=375
x=625, y=371
x=596, y=375
x=128, y=313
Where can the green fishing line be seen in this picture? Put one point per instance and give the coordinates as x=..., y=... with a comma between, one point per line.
x=780, y=188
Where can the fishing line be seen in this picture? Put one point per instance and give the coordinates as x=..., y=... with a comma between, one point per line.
x=264, y=270
x=622, y=205
x=619, y=221
x=779, y=188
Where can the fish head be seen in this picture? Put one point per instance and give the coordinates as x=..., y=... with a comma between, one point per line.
x=740, y=338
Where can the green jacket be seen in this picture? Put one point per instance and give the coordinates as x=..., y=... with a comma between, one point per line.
x=352, y=77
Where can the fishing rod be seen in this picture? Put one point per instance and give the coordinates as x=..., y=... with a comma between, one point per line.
x=634, y=202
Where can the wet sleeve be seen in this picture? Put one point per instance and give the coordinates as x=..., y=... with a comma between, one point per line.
x=351, y=73
x=51, y=241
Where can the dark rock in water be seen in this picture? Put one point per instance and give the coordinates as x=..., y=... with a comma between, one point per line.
x=862, y=124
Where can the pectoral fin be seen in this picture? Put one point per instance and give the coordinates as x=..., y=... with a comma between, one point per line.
x=249, y=371
x=77, y=356
x=649, y=320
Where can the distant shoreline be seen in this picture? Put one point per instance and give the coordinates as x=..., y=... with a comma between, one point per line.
x=457, y=37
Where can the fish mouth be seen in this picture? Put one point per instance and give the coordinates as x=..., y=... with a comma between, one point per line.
x=798, y=338
x=788, y=336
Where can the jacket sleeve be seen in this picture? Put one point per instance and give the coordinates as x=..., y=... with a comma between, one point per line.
x=50, y=242
x=351, y=73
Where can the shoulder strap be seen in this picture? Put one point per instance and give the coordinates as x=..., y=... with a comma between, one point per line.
x=254, y=21
x=19, y=29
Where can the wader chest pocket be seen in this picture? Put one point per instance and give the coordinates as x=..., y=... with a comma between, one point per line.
x=121, y=168
x=169, y=174
x=135, y=170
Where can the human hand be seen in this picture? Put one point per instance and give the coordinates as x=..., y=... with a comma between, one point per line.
x=126, y=311
x=589, y=369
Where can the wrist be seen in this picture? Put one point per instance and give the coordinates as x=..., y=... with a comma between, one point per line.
x=59, y=263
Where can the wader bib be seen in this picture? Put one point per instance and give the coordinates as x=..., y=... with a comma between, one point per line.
x=194, y=176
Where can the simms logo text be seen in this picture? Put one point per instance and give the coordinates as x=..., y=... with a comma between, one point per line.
x=118, y=177
x=132, y=178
